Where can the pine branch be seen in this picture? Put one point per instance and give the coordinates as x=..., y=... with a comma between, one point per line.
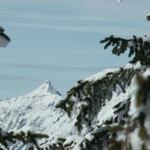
x=26, y=138
x=138, y=48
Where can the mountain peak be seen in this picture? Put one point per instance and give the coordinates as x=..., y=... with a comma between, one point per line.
x=46, y=87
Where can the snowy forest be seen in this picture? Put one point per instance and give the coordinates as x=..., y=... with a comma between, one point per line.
x=109, y=110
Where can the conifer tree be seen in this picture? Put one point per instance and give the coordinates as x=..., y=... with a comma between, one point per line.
x=139, y=51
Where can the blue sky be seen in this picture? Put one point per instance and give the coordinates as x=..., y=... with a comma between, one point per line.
x=59, y=40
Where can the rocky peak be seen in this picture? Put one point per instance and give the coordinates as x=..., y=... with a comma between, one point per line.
x=45, y=88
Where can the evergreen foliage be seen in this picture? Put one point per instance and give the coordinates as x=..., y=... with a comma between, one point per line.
x=138, y=48
x=29, y=138
x=94, y=100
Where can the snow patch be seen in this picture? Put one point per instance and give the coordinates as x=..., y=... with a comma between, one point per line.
x=99, y=75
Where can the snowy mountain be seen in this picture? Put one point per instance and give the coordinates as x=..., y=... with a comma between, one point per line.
x=32, y=111
x=100, y=113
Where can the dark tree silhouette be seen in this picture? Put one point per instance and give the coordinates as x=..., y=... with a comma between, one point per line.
x=4, y=39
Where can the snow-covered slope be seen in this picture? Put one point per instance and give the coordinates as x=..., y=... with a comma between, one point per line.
x=37, y=112
x=34, y=111
x=97, y=114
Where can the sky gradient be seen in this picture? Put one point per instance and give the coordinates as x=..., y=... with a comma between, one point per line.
x=59, y=40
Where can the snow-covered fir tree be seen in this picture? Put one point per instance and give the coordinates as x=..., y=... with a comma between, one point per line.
x=106, y=111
